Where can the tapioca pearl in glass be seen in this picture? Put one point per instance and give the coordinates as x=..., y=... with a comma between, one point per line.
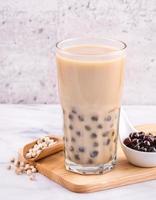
x=71, y=149
x=77, y=157
x=81, y=149
x=90, y=161
x=73, y=139
x=94, y=154
x=66, y=139
x=106, y=141
x=74, y=111
x=115, y=139
x=87, y=127
x=105, y=134
x=108, y=118
x=78, y=133
x=71, y=117
x=95, y=144
x=81, y=118
x=71, y=127
x=94, y=118
x=99, y=126
x=113, y=133
x=93, y=135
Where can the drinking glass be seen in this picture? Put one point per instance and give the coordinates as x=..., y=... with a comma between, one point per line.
x=90, y=78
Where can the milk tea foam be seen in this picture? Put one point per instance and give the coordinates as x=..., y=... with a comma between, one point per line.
x=90, y=87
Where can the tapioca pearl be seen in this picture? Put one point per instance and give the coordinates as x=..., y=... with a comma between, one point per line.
x=77, y=157
x=70, y=116
x=94, y=118
x=95, y=144
x=63, y=111
x=108, y=118
x=113, y=133
x=71, y=127
x=78, y=133
x=106, y=142
x=71, y=148
x=105, y=134
x=93, y=135
x=99, y=126
x=73, y=139
x=94, y=154
x=88, y=128
x=81, y=149
x=74, y=111
x=66, y=139
x=90, y=161
x=115, y=139
x=81, y=118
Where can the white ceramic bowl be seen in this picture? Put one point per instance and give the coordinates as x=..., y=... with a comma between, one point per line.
x=138, y=158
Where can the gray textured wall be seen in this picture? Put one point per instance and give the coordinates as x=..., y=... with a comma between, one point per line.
x=29, y=30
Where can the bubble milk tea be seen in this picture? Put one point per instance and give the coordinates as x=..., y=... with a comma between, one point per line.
x=90, y=87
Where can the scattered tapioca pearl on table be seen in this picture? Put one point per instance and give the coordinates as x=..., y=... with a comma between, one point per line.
x=141, y=141
x=21, y=167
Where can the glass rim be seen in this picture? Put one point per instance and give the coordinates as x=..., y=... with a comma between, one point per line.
x=116, y=51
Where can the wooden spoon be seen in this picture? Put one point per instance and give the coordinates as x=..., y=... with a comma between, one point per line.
x=56, y=147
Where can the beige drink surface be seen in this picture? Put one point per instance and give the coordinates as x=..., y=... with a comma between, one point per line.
x=90, y=87
x=96, y=83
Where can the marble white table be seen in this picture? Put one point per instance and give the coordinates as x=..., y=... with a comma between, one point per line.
x=22, y=123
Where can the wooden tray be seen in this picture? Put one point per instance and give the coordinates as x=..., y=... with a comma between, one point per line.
x=123, y=174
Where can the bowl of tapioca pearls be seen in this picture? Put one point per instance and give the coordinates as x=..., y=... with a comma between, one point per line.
x=140, y=148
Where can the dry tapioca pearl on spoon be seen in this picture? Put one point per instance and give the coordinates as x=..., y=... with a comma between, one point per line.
x=39, y=146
